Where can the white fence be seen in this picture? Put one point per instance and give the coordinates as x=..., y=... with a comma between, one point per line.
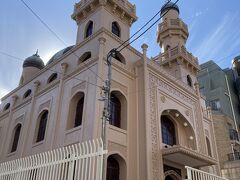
x=81, y=161
x=195, y=174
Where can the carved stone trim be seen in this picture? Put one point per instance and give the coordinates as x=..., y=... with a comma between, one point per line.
x=114, y=147
x=80, y=86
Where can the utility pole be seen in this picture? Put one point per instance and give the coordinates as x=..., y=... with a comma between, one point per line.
x=107, y=102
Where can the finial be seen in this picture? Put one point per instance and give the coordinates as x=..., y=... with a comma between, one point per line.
x=36, y=54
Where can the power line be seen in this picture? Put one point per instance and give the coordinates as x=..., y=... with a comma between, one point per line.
x=133, y=92
x=20, y=59
x=148, y=27
x=144, y=25
x=55, y=34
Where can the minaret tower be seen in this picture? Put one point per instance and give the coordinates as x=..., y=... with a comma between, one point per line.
x=172, y=37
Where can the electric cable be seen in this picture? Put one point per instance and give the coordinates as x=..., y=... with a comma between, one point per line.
x=46, y=68
x=148, y=27
x=144, y=25
x=55, y=34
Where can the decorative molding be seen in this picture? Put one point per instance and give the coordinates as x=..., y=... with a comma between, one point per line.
x=81, y=86
x=113, y=147
x=117, y=85
x=154, y=131
x=163, y=99
x=44, y=105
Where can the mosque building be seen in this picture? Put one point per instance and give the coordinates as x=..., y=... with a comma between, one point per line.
x=159, y=121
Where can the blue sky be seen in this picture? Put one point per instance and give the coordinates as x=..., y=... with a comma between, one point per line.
x=213, y=26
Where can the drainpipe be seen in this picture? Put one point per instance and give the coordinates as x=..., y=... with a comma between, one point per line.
x=230, y=98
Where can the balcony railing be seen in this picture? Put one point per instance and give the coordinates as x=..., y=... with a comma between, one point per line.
x=233, y=134
x=234, y=156
x=177, y=51
x=195, y=174
x=172, y=23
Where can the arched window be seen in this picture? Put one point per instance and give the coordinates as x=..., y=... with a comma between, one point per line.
x=52, y=77
x=168, y=131
x=27, y=93
x=42, y=126
x=79, y=112
x=115, y=111
x=113, y=169
x=189, y=80
x=89, y=29
x=208, y=147
x=116, y=29
x=120, y=58
x=16, y=136
x=6, y=107
x=84, y=57
x=76, y=111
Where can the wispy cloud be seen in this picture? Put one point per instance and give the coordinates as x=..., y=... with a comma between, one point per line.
x=221, y=39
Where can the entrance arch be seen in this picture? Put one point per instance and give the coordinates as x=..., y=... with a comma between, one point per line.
x=172, y=175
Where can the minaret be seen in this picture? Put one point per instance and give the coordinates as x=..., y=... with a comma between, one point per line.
x=96, y=16
x=172, y=37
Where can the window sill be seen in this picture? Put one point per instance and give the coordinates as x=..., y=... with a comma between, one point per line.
x=69, y=131
x=117, y=129
x=38, y=144
x=12, y=154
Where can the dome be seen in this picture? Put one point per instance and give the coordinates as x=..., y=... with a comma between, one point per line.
x=34, y=61
x=169, y=6
x=237, y=58
x=59, y=54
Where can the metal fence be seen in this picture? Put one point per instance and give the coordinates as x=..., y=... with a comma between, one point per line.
x=195, y=174
x=79, y=161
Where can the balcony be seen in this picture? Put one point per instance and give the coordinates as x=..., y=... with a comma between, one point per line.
x=233, y=135
x=234, y=156
x=175, y=52
x=172, y=24
x=185, y=156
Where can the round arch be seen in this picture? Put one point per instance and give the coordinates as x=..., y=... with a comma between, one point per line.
x=116, y=167
x=171, y=174
x=185, y=134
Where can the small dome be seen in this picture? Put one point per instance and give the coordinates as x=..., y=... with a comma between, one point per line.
x=169, y=6
x=237, y=58
x=34, y=61
x=59, y=54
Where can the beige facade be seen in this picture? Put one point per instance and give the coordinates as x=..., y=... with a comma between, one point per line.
x=160, y=122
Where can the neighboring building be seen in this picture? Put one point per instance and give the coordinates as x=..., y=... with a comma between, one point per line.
x=219, y=88
x=159, y=122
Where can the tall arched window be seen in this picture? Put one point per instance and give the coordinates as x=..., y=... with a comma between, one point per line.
x=42, y=126
x=115, y=111
x=208, y=147
x=116, y=29
x=76, y=111
x=27, y=93
x=79, y=112
x=16, y=136
x=168, y=131
x=189, y=80
x=52, y=77
x=84, y=57
x=89, y=29
x=113, y=169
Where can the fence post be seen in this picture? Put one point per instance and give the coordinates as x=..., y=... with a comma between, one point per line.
x=189, y=174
